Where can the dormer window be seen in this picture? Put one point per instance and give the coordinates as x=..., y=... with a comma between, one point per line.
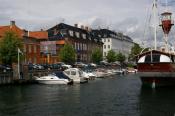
x=71, y=33
x=55, y=32
x=99, y=35
x=63, y=32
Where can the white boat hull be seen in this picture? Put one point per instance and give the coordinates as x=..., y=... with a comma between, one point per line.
x=52, y=82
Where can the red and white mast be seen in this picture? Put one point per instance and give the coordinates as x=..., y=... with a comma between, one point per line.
x=166, y=24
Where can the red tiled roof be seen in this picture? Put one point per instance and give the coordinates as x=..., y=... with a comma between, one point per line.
x=14, y=28
x=60, y=42
x=34, y=34
x=39, y=34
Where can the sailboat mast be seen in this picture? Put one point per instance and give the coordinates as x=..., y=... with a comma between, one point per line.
x=155, y=26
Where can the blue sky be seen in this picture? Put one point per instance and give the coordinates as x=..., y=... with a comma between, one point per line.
x=127, y=16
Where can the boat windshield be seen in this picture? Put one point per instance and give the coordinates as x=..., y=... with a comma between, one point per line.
x=61, y=75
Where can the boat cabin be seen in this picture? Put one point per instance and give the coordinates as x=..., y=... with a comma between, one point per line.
x=156, y=57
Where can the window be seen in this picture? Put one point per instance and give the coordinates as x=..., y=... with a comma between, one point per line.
x=35, y=49
x=55, y=32
x=75, y=45
x=25, y=48
x=34, y=59
x=78, y=46
x=84, y=36
x=155, y=58
x=30, y=48
x=71, y=33
x=104, y=46
x=109, y=46
x=85, y=46
x=73, y=73
x=77, y=34
x=67, y=72
x=108, y=40
x=104, y=40
x=104, y=53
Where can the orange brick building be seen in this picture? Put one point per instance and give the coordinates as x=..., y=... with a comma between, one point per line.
x=31, y=41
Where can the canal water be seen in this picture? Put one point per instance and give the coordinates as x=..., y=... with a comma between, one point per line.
x=115, y=96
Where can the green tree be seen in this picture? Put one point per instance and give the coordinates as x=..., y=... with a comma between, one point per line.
x=120, y=57
x=67, y=54
x=9, y=45
x=135, y=50
x=97, y=56
x=111, y=56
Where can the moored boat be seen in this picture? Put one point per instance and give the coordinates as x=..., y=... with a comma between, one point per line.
x=54, y=78
x=76, y=75
x=157, y=67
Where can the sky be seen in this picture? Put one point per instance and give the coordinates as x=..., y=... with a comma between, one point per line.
x=127, y=16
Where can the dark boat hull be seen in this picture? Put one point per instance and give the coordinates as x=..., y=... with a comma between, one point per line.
x=158, y=81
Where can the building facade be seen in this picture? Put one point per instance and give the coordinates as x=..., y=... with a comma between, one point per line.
x=30, y=41
x=81, y=38
x=114, y=41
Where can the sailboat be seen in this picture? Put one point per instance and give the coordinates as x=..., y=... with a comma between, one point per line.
x=157, y=67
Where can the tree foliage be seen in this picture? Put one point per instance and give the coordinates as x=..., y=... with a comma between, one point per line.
x=135, y=50
x=97, y=56
x=9, y=45
x=67, y=54
x=111, y=56
x=120, y=57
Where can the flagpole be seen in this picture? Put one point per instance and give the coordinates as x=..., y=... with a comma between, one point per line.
x=18, y=65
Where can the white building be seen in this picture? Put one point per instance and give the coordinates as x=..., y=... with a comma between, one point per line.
x=114, y=41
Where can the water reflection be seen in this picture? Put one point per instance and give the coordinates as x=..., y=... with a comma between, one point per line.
x=157, y=102
x=117, y=96
x=38, y=100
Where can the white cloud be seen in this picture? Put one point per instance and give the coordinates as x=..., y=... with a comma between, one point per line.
x=127, y=16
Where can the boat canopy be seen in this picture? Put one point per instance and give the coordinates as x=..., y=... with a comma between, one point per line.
x=154, y=58
x=60, y=75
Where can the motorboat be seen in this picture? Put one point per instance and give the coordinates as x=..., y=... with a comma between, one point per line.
x=76, y=74
x=54, y=78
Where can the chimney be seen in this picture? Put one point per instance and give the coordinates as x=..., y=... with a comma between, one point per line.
x=28, y=33
x=82, y=27
x=86, y=28
x=25, y=32
x=12, y=23
x=76, y=25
